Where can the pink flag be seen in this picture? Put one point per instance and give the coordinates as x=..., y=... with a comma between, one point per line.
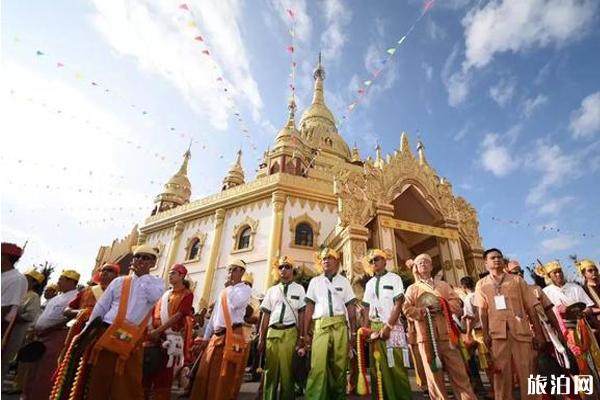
x=59, y=64
x=199, y=38
x=361, y=91
x=219, y=79
x=290, y=13
x=428, y=5
x=94, y=84
x=290, y=49
x=184, y=6
x=206, y=52
x=376, y=72
x=293, y=63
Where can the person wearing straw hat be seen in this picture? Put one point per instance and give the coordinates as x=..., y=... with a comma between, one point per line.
x=50, y=329
x=50, y=292
x=28, y=311
x=588, y=269
x=560, y=292
x=167, y=335
x=222, y=363
x=383, y=299
x=506, y=308
x=430, y=304
x=281, y=331
x=330, y=304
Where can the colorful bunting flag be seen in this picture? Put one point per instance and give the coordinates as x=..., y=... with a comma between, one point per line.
x=428, y=5
x=59, y=65
x=368, y=83
x=199, y=38
x=290, y=49
x=192, y=24
x=401, y=40
x=39, y=53
x=206, y=52
x=184, y=7
x=391, y=51
x=290, y=13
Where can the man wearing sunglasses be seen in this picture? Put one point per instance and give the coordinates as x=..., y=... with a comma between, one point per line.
x=107, y=381
x=211, y=381
x=383, y=299
x=281, y=331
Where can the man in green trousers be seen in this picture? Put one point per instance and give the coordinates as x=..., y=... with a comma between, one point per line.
x=330, y=304
x=384, y=295
x=280, y=331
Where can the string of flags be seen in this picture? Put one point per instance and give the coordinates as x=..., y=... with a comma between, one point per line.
x=543, y=228
x=219, y=78
x=292, y=50
x=376, y=73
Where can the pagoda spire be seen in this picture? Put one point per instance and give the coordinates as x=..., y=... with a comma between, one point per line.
x=235, y=176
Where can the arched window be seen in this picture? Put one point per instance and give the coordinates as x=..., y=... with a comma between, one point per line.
x=304, y=235
x=195, y=249
x=244, y=239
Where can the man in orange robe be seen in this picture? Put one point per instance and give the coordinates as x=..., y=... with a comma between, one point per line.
x=168, y=333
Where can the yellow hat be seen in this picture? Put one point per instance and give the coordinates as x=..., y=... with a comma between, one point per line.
x=248, y=277
x=285, y=260
x=237, y=263
x=71, y=274
x=546, y=269
x=146, y=249
x=323, y=253
x=374, y=253
x=36, y=275
x=584, y=264
x=52, y=286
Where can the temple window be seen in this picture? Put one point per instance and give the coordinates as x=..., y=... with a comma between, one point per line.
x=304, y=232
x=304, y=235
x=194, y=246
x=244, y=241
x=244, y=234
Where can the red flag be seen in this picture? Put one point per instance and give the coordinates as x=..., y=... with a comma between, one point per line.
x=361, y=91
x=428, y=5
x=290, y=49
x=199, y=38
x=290, y=12
x=206, y=52
x=184, y=6
x=59, y=64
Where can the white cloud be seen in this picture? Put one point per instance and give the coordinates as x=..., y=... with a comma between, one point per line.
x=517, y=25
x=372, y=61
x=337, y=17
x=559, y=243
x=554, y=206
x=458, y=88
x=428, y=70
x=532, y=104
x=434, y=31
x=503, y=92
x=463, y=131
x=585, y=121
x=554, y=165
x=157, y=35
x=496, y=157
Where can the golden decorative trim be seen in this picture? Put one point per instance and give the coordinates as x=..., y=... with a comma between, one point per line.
x=315, y=226
x=419, y=228
x=248, y=222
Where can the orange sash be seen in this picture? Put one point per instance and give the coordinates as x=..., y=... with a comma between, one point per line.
x=121, y=337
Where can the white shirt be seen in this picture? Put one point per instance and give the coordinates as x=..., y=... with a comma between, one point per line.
x=380, y=293
x=329, y=297
x=279, y=309
x=53, y=312
x=146, y=290
x=14, y=287
x=238, y=298
x=469, y=309
x=569, y=293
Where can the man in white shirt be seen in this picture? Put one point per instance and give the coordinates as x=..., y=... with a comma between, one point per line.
x=109, y=378
x=281, y=331
x=50, y=329
x=14, y=285
x=562, y=293
x=384, y=295
x=213, y=380
x=330, y=304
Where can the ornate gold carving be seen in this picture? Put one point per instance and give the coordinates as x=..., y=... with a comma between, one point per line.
x=201, y=238
x=179, y=225
x=248, y=222
x=316, y=228
x=459, y=264
x=468, y=224
x=447, y=264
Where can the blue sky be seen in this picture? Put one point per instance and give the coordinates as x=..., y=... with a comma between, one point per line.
x=504, y=94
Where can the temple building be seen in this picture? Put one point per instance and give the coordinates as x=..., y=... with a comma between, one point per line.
x=310, y=190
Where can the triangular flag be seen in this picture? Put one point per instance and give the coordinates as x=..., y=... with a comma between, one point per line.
x=383, y=62
x=401, y=39
x=220, y=79
x=292, y=33
x=290, y=49
x=290, y=13
x=199, y=38
x=376, y=72
x=192, y=24
x=293, y=63
x=184, y=7
x=368, y=83
x=39, y=53
x=59, y=64
x=391, y=51
x=78, y=75
x=428, y=5
x=351, y=106
x=361, y=91
x=206, y=52
x=94, y=84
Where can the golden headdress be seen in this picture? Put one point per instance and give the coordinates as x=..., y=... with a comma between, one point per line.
x=544, y=270
x=372, y=254
x=280, y=261
x=248, y=277
x=323, y=253
x=582, y=265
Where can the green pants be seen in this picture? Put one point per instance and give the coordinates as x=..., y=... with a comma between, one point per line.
x=395, y=379
x=329, y=360
x=281, y=344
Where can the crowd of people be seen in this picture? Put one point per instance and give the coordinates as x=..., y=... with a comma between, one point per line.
x=131, y=337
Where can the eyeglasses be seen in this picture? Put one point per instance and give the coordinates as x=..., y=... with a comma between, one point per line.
x=517, y=272
x=591, y=270
x=233, y=269
x=143, y=257
x=285, y=266
x=374, y=260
